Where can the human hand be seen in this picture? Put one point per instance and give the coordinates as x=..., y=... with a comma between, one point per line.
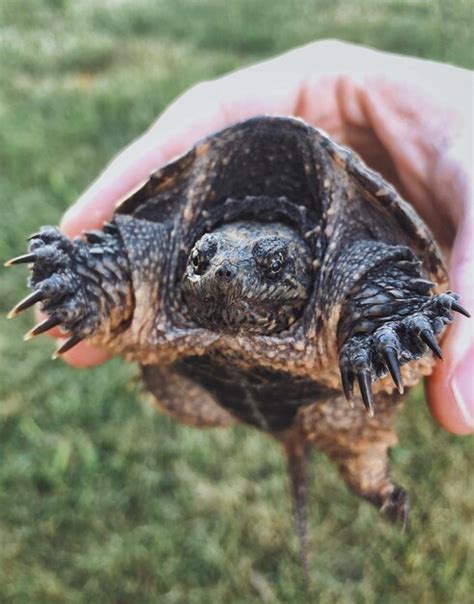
x=409, y=119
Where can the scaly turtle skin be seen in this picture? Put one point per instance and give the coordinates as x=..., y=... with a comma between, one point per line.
x=257, y=278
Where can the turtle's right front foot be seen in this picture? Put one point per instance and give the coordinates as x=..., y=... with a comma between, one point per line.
x=68, y=280
x=56, y=284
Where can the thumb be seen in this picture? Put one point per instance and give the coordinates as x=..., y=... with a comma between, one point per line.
x=450, y=389
x=192, y=118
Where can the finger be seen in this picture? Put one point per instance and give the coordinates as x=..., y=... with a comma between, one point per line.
x=417, y=130
x=125, y=174
x=133, y=166
x=173, y=134
x=450, y=388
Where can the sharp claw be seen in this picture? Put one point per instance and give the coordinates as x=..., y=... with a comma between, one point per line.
x=429, y=339
x=365, y=385
x=68, y=344
x=45, y=325
x=460, y=309
x=347, y=378
x=422, y=285
x=25, y=259
x=31, y=299
x=94, y=236
x=391, y=360
x=108, y=227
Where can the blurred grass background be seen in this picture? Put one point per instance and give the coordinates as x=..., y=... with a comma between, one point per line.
x=101, y=499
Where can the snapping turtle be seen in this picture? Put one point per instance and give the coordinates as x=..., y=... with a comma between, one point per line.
x=257, y=278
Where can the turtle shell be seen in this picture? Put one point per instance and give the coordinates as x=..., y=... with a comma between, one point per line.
x=299, y=174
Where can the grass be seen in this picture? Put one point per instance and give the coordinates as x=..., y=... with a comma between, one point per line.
x=101, y=499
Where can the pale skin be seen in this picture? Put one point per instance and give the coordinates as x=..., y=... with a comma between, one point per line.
x=409, y=119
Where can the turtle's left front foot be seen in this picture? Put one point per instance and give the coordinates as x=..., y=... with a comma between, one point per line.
x=400, y=338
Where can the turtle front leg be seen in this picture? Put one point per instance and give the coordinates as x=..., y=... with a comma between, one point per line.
x=390, y=318
x=84, y=286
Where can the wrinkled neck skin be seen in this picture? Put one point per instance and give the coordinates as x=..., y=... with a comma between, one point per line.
x=247, y=278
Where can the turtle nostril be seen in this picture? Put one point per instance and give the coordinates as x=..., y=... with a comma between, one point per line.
x=225, y=271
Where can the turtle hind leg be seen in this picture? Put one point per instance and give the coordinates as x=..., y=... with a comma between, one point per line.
x=366, y=473
x=359, y=446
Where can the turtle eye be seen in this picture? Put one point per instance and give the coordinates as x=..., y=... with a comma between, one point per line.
x=276, y=264
x=197, y=260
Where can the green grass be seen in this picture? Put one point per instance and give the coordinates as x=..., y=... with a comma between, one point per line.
x=101, y=499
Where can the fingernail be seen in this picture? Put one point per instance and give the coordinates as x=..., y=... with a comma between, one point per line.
x=462, y=387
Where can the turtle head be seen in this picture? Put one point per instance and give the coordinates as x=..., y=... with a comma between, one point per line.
x=248, y=277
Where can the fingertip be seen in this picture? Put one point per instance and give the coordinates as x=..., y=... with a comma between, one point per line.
x=449, y=389
x=444, y=407
x=127, y=172
x=84, y=215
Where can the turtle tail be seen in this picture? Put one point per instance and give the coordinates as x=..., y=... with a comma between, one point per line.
x=297, y=453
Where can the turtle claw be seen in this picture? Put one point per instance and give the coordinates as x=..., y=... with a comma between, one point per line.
x=34, y=236
x=460, y=309
x=29, y=300
x=365, y=385
x=347, y=378
x=24, y=259
x=42, y=327
x=429, y=339
x=94, y=236
x=393, y=365
x=355, y=362
x=68, y=344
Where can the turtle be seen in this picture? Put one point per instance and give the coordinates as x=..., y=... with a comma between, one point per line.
x=267, y=277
